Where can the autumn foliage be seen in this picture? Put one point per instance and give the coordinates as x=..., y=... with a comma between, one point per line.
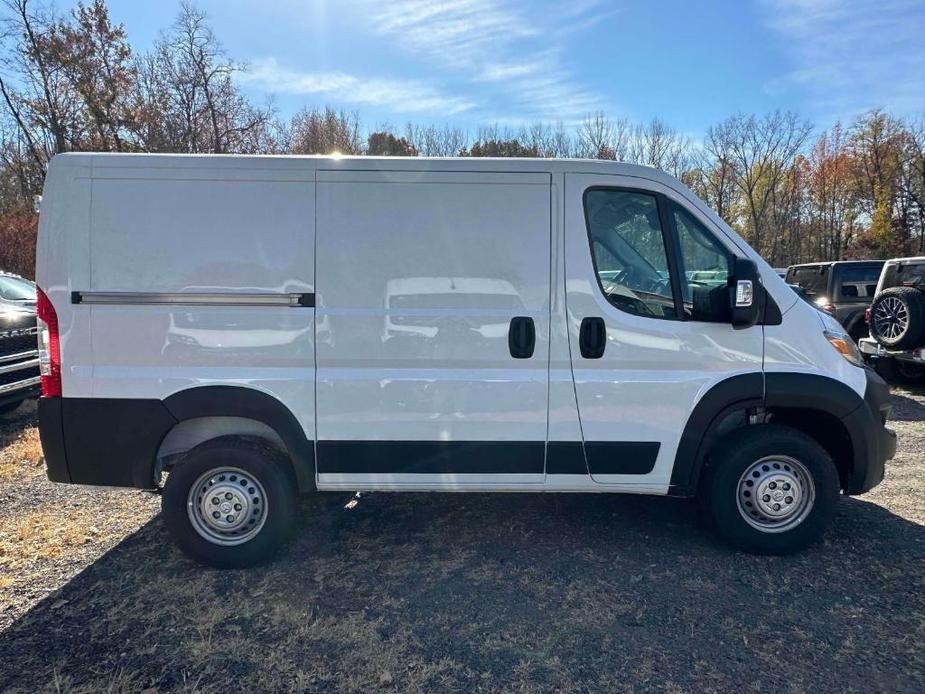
x=17, y=242
x=73, y=83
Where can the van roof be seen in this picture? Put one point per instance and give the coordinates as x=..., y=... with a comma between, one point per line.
x=312, y=162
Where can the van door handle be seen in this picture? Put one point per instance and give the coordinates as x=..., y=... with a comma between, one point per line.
x=592, y=338
x=521, y=337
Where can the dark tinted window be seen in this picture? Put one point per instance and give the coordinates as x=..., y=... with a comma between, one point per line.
x=904, y=273
x=857, y=282
x=812, y=279
x=629, y=251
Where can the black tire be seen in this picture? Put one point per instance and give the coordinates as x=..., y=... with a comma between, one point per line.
x=10, y=407
x=258, y=461
x=897, y=318
x=857, y=328
x=900, y=373
x=735, y=455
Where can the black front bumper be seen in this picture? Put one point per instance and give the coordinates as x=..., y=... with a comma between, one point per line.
x=872, y=441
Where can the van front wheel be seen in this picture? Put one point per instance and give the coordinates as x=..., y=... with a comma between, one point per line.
x=230, y=502
x=769, y=489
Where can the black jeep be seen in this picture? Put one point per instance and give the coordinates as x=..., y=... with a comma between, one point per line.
x=843, y=289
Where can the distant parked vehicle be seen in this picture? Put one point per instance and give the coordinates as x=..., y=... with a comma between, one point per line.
x=843, y=289
x=896, y=318
x=16, y=290
x=19, y=362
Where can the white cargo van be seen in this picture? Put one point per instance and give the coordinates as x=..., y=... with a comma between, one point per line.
x=252, y=328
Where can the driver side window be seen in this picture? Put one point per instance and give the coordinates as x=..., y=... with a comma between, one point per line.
x=629, y=250
x=706, y=268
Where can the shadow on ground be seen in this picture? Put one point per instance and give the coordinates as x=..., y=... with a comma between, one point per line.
x=907, y=409
x=484, y=592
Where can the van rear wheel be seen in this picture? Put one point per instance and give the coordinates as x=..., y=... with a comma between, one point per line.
x=230, y=502
x=769, y=489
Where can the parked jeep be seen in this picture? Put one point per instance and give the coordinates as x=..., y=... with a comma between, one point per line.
x=843, y=289
x=896, y=318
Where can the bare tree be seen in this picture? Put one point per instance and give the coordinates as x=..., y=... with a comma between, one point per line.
x=601, y=138
x=658, y=145
x=912, y=180
x=713, y=173
x=187, y=87
x=431, y=141
x=325, y=131
x=763, y=150
x=41, y=103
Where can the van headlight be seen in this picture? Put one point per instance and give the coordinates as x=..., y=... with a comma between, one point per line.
x=845, y=346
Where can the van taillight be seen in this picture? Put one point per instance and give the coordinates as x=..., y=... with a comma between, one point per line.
x=49, y=346
x=867, y=315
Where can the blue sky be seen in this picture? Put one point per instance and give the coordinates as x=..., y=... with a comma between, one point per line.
x=470, y=62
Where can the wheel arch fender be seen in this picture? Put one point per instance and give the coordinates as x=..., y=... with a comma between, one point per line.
x=804, y=401
x=270, y=418
x=721, y=402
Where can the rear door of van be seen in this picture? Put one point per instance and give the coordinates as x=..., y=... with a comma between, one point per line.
x=432, y=329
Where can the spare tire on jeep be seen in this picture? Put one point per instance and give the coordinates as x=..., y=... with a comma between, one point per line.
x=897, y=318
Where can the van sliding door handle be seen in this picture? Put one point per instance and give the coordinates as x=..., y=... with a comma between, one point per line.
x=592, y=338
x=521, y=337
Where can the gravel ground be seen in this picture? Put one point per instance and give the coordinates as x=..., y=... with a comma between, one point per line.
x=417, y=592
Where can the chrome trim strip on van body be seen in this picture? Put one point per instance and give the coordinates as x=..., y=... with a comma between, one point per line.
x=19, y=385
x=193, y=299
x=20, y=356
x=9, y=368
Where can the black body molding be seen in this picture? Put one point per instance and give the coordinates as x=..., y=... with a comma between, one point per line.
x=864, y=420
x=114, y=441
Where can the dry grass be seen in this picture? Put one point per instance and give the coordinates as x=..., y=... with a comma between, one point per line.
x=45, y=535
x=20, y=454
x=461, y=593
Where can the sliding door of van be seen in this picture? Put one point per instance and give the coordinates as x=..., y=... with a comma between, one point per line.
x=432, y=329
x=649, y=323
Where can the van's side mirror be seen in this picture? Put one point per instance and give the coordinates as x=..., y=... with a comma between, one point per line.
x=746, y=294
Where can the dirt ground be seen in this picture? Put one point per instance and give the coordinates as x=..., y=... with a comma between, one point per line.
x=439, y=592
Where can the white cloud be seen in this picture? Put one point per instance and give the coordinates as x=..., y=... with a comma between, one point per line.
x=853, y=56
x=514, y=45
x=403, y=96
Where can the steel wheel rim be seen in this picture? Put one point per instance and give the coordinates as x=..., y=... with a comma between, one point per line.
x=775, y=494
x=891, y=318
x=227, y=506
